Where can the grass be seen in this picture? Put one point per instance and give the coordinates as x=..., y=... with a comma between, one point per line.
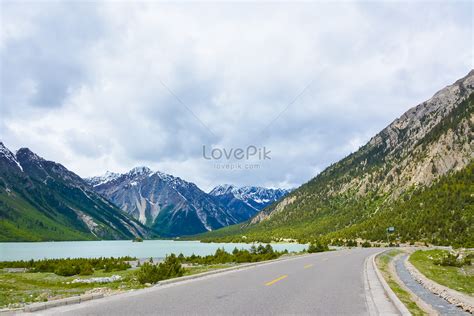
x=459, y=279
x=18, y=289
x=383, y=261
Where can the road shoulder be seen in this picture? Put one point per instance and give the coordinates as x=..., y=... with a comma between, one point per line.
x=380, y=299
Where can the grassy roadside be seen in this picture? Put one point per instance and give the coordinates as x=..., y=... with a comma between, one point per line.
x=383, y=261
x=457, y=278
x=18, y=289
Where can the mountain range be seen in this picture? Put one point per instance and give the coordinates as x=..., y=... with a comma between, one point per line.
x=42, y=200
x=173, y=207
x=415, y=175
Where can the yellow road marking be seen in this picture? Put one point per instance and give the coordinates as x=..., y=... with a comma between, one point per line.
x=308, y=266
x=276, y=280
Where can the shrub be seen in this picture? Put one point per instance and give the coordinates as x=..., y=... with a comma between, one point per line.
x=351, y=243
x=452, y=260
x=148, y=273
x=67, y=270
x=169, y=268
x=86, y=269
x=366, y=244
x=317, y=247
x=116, y=266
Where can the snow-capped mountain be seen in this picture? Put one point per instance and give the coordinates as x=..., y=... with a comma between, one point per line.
x=244, y=202
x=107, y=177
x=169, y=205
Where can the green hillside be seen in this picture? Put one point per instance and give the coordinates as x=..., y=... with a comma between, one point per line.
x=22, y=222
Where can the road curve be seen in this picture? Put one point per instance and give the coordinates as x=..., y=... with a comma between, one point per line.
x=330, y=283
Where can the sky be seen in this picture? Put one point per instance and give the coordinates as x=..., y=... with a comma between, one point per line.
x=111, y=85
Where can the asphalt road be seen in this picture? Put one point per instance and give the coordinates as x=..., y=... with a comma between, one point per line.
x=330, y=283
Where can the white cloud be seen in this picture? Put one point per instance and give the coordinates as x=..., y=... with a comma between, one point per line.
x=82, y=84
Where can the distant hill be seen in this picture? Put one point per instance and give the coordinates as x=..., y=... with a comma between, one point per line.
x=41, y=200
x=416, y=175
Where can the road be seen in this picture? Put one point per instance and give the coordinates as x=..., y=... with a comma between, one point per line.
x=330, y=283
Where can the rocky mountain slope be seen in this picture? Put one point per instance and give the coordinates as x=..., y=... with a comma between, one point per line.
x=431, y=143
x=42, y=200
x=172, y=206
x=245, y=202
x=167, y=204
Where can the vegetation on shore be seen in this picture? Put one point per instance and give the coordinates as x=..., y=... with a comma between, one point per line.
x=451, y=270
x=71, y=266
x=172, y=265
x=383, y=261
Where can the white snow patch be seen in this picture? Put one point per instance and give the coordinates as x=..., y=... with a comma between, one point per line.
x=4, y=151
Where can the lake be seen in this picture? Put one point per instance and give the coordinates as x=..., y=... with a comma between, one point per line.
x=117, y=248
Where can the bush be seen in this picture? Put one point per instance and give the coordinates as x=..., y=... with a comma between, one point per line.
x=169, y=268
x=317, y=247
x=366, y=244
x=67, y=270
x=86, y=269
x=148, y=273
x=451, y=260
x=116, y=266
x=351, y=243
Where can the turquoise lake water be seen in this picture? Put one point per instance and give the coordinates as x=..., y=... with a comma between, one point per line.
x=116, y=248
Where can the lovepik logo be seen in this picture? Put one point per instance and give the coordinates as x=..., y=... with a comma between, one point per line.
x=250, y=152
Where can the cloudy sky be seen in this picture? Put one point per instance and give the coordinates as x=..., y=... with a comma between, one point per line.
x=103, y=86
